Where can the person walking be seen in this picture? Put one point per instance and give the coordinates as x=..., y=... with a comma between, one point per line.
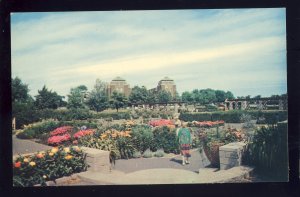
x=185, y=141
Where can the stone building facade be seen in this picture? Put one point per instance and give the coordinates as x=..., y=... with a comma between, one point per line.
x=120, y=85
x=166, y=84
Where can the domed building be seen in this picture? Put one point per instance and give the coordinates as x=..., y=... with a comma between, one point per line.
x=120, y=85
x=166, y=84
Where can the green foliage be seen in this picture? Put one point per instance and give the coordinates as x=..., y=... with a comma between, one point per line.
x=137, y=154
x=107, y=145
x=118, y=100
x=166, y=138
x=148, y=154
x=159, y=153
x=48, y=167
x=142, y=137
x=98, y=98
x=48, y=99
x=19, y=90
x=206, y=96
x=35, y=130
x=139, y=95
x=24, y=113
x=164, y=96
x=76, y=97
x=268, y=151
x=234, y=116
x=125, y=147
x=113, y=115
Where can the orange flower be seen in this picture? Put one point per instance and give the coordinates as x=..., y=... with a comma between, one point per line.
x=54, y=150
x=26, y=160
x=40, y=155
x=103, y=136
x=18, y=164
x=114, y=135
x=68, y=157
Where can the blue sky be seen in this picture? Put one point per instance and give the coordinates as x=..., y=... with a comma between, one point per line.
x=240, y=50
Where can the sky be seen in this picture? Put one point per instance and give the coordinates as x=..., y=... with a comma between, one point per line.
x=237, y=50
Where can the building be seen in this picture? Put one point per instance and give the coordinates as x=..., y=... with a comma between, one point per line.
x=119, y=85
x=166, y=84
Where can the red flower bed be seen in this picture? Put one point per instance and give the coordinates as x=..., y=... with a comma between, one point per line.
x=82, y=133
x=209, y=123
x=55, y=140
x=61, y=130
x=161, y=122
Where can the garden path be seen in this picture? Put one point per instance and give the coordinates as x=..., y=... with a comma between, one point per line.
x=21, y=146
x=170, y=161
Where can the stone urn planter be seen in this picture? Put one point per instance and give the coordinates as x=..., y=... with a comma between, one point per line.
x=212, y=153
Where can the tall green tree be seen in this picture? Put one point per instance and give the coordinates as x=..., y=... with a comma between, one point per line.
x=118, y=100
x=98, y=98
x=20, y=91
x=187, y=97
x=164, y=96
x=23, y=108
x=139, y=95
x=220, y=95
x=48, y=99
x=229, y=95
x=76, y=97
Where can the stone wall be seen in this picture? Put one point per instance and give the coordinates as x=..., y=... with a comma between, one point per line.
x=231, y=155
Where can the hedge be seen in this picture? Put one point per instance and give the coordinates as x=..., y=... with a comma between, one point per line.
x=265, y=117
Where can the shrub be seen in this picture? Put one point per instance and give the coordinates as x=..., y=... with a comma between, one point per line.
x=142, y=138
x=125, y=147
x=166, y=138
x=49, y=165
x=268, y=151
x=137, y=154
x=159, y=153
x=148, y=154
x=36, y=129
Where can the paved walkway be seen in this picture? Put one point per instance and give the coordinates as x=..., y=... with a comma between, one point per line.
x=197, y=161
x=21, y=146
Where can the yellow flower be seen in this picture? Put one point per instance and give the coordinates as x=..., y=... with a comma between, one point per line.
x=68, y=157
x=26, y=160
x=76, y=148
x=67, y=150
x=51, y=154
x=103, y=135
x=54, y=150
x=32, y=163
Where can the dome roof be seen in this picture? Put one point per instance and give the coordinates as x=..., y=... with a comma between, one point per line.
x=167, y=79
x=118, y=79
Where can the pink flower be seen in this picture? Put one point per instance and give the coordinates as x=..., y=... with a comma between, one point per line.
x=82, y=133
x=55, y=140
x=61, y=130
x=161, y=122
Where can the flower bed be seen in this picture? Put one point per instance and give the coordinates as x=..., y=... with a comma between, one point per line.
x=56, y=140
x=161, y=122
x=207, y=124
x=82, y=133
x=48, y=165
x=61, y=130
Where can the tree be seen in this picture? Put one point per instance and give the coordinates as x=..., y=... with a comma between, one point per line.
x=98, y=98
x=152, y=97
x=23, y=108
x=48, y=99
x=220, y=95
x=19, y=91
x=139, y=95
x=207, y=96
x=257, y=97
x=76, y=97
x=118, y=100
x=229, y=95
x=164, y=96
x=187, y=97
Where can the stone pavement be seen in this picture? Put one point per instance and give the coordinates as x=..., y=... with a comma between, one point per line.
x=22, y=146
